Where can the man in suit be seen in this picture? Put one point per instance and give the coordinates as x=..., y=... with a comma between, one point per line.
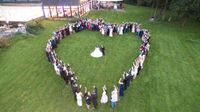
x=102, y=49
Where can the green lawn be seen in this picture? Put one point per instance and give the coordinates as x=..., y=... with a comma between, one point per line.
x=169, y=81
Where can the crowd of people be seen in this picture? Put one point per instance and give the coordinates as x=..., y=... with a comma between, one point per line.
x=107, y=30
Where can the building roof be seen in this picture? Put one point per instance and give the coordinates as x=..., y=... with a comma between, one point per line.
x=60, y=2
x=109, y=0
x=20, y=1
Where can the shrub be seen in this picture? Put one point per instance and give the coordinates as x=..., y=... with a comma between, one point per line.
x=73, y=20
x=33, y=27
x=4, y=42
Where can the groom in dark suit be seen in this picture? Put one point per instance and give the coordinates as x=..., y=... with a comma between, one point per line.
x=102, y=49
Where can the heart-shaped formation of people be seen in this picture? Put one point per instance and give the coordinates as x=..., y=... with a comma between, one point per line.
x=106, y=29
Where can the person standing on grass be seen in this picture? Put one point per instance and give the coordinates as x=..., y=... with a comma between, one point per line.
x=128, y=78
x=87, y=97
x=70, y=28
x=121, y=87
x=125, y=81
x=65, y=74
x=74, y=90
x=79, y=98
x=102, y=49
x=110, y=31
x=102, y=30
x=121, y=28
x=104, y=97
x=88, y=100
x=94, y=97
x=134, y=71
x=48, y=52
x=114, y=97
x=56, y=68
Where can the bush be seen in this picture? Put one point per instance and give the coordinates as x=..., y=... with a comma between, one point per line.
x=73, y=20
x=4, y=42
x=33, y=27
x=134, y=2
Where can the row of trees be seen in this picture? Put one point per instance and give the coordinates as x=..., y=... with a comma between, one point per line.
x=181, y=9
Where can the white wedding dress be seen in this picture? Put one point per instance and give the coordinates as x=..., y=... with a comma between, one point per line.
x=97, y=53
x=104, y=98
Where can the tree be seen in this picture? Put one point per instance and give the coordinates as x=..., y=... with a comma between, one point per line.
x=130, y=1
x=186, y=9
x=162, y=6
x=181, y=9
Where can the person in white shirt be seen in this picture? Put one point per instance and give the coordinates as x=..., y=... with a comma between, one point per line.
x=114, y=97
x=56, y=68
x=141, y=59
x=134, y=71
x=70, y=28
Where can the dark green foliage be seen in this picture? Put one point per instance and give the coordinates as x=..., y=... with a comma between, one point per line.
x=139, y=2
x=182, y=9
x=33, y=27
x=186, y=9
x=144, y=2
x=134, y=2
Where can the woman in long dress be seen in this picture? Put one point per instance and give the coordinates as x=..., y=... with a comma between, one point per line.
x=104, y=97
x=133, y=28
x=142, y=58
x=134, y=71
x=70, y=28
x=79, y=98
x=87, y=97
x=103, y=30
x=111, y=32
x=121, y=30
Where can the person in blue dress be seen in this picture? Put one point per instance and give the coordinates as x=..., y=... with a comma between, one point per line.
x=121, y=87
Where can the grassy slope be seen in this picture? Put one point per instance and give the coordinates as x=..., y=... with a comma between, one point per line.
x=168, y=83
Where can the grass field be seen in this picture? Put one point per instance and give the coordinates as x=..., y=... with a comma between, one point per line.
x=169, y=81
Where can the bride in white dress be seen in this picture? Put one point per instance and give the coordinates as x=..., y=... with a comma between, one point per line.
x=97, y=53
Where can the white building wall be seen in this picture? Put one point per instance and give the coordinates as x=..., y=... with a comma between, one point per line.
x=20, y=13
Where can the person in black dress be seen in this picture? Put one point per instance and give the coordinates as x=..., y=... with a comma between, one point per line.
x=87, y=97
x=125, y=81
x=74, y=90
